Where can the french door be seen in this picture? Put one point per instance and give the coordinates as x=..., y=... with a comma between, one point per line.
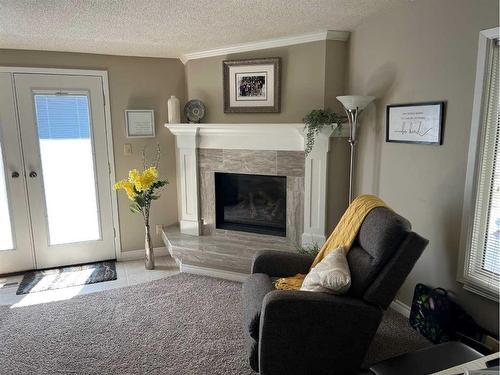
x=16, y=252
x=55, y=207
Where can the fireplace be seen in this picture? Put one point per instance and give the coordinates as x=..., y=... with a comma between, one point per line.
x=251, y=203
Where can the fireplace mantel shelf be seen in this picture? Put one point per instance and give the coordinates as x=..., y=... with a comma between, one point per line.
x=255, y=136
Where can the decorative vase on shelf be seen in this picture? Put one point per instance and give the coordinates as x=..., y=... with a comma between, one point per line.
x=174, y=110
x=150, y=256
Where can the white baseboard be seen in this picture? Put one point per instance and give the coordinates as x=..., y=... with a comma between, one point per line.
x=212, y=272
x=139, y=254
x=401, y=308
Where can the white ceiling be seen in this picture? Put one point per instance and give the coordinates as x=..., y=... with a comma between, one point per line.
x=169, y=28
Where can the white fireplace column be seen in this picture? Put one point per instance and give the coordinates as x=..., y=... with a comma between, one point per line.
x=316, y=189
x=187, y=173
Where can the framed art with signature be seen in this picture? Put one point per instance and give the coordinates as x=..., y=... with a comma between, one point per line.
x=415, y=123
x=251, y=85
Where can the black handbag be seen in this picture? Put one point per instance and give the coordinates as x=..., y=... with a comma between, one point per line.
x=435, y=316
x=432, y=314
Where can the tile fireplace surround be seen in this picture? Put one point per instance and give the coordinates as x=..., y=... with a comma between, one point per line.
x=262, y=149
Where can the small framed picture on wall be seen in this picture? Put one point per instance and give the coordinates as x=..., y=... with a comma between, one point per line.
x=415, y=123
x=140, y=123
x=251, y=85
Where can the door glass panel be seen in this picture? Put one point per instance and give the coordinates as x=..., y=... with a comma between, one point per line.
x=6, y=241
x=68, y=167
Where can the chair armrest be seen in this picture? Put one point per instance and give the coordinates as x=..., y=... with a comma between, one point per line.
x=280, y=263
x=314, y=333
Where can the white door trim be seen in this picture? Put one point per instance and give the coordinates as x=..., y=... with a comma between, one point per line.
x=103, y=74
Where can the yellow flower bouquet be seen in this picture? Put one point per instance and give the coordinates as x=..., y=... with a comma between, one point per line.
x=142, y=189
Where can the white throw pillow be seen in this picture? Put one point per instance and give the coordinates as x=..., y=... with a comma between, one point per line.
x=331, y=275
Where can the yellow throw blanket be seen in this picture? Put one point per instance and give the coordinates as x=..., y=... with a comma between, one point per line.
x=343, y=235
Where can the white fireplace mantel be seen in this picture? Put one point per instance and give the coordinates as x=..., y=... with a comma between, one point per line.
x=280, y=137
x=244, y=136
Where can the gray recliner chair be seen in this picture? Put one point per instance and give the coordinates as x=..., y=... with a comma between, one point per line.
x=296, y=332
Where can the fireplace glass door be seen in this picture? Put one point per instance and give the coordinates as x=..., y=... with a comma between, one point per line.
x=251, y=203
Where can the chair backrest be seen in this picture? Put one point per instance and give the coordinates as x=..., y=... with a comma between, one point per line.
x=382, y=256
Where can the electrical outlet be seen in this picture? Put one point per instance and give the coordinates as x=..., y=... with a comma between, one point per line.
x=127, y=149
x=159, y=228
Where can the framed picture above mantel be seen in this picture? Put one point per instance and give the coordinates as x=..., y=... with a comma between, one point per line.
x=252, y=86
x=420, y=123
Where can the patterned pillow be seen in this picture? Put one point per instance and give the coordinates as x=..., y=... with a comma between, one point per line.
x=331, y=275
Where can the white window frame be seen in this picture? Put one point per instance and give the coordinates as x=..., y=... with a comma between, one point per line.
x=486, y=39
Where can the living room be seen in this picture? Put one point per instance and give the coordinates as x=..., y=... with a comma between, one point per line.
x=172, y=174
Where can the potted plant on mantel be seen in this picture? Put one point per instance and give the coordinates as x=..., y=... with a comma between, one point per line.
x=142, y=189
x=315, y=121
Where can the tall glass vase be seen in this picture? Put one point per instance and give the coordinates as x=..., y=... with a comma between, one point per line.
x=150, y=257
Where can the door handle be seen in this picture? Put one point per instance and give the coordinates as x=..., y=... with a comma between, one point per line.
x=15, y=174
x=32, y=174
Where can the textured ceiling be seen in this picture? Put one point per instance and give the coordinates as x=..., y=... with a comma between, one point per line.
x=169, y=28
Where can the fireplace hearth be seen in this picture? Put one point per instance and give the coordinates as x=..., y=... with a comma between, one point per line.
x=251, y=203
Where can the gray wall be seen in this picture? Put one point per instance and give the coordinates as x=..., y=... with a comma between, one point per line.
x=422, y=51
x=335, y=73
x=302, y=83
x=134, y=83
x=338, y=168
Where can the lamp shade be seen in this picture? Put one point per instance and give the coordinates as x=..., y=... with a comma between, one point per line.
x=351, y=102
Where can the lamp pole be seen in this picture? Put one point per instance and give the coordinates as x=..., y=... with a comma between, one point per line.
x=352, y=116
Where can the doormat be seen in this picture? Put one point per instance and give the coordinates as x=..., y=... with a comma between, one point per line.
x=65, y=277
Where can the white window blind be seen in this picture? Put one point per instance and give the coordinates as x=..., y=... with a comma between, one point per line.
x=482, y=261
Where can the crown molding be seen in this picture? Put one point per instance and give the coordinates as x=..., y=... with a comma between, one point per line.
x=341, y=36
x=265, y=44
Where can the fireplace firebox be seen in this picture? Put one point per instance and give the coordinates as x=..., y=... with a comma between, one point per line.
x=251, y=203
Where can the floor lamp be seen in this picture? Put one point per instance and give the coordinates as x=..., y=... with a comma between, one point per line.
x=353, y=106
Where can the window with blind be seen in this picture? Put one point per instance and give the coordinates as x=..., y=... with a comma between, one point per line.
x=481, y=272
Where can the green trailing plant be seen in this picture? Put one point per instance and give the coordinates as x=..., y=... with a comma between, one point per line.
x=315, y=121
x=309, y=249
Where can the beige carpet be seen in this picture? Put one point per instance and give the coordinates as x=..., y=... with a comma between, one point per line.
x=182, y=324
